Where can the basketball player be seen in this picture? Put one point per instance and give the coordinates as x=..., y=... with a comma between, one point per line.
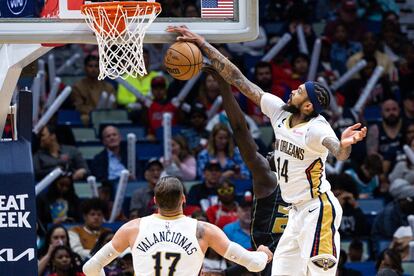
x=310, y=242
x=269, y=214
x=170, y=243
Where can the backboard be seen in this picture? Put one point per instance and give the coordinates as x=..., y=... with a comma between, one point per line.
x=60, y=21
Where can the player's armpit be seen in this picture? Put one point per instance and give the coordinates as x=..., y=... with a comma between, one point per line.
x=334, y=147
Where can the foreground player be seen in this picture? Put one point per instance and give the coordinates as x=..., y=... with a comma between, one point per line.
x=310, y=242
x=170, y=243
x=269, y=214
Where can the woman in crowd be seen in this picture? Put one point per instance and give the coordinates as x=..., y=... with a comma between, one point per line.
x=221, y=148
x=63, y=262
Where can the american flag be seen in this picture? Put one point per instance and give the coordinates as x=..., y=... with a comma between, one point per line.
x=217, y=8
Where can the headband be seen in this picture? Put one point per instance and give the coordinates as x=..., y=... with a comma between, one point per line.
x=310, y=89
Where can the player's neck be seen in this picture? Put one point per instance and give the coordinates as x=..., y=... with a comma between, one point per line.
x=173, y=213
x=297, y=119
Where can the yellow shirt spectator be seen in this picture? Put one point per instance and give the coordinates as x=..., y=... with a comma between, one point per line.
x=143, y=84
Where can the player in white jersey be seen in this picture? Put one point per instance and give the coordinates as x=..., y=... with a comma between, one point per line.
x=170, y=243
x=310, y=242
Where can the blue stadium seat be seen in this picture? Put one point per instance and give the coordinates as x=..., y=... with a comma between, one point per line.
x=366, y=268
x=84, y=134
x=382, y=245
x=372, y=114
x=371, y=206
x=69, y=117
x=139, y=132
x=242, y=185
x=146, y=151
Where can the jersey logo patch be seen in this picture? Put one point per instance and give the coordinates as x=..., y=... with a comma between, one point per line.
x=167, y=226
x=280, y=125
x=310, y=211
x=324, y=263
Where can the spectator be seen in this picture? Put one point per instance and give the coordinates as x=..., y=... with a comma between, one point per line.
x=142, y=84
x=370, y=48
x=404, y=168
x=63, y=263
x=347, y=15
x=106, y=194
x=191, y=10
x=239, y=230
x=195, y=134
x=395, y=213
x=354, y=87
x=366, y=176
x=342, y=270
x=356, y=249
x=353, y=223
x=183, y=163
x=385, y=137
x=342, y=48
x=208, y=92
x=401, y=242
x=109, y=163
x=60, y=203
x=52, y=154
x=221, y=147
x=225, y=211
x=263, y=79
x=408, y=107
x=159, y=106
x=299, y=74
x=55, y=236
x=126, y=265
x=143, y=198
x=205, y=193
x=392, y=40
x=87, y=91
x=83, y=237
x=406, y=69
x=389, y=259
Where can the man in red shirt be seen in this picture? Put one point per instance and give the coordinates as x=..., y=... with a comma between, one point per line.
x=159, y=106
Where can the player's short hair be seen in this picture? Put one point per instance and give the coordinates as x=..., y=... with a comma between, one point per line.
x=168, y=192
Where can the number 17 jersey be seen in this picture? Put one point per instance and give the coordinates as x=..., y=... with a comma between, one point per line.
x=167, y=247
x=299, y=154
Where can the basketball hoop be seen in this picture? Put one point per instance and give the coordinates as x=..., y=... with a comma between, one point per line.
x=120, y=29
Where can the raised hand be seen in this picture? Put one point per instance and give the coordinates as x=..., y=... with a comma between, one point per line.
x=186, y=34
x=352, y=136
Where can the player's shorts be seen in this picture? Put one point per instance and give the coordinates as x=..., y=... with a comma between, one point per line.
x=310, y=244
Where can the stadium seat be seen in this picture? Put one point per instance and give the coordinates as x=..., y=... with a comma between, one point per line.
x=371, y=206
x=146, y=151
x=382, y=245
x=110, y=116
x=84, y=134
x=89, y=151
x=372, y=114
x=69, y=117
x=139, y=132
x=366, y=268
x=242, y=185
x=408, y=268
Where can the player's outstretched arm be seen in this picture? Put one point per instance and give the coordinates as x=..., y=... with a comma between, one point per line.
x=342, y=149
x=265, y=179
x=254, y=261
x=111, y=250
x=223, y=66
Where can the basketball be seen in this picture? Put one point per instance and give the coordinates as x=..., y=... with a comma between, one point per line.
x=183, y=60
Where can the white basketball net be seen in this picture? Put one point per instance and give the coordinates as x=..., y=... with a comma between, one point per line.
x=121, y=53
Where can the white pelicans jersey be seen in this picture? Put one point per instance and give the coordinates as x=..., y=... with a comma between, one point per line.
x=299, y=154
x=167, y=247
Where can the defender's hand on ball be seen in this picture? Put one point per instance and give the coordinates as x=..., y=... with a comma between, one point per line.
x=186, y=35
x=352, y=136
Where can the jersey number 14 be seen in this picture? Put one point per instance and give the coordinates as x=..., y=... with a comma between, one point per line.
x=282, y=169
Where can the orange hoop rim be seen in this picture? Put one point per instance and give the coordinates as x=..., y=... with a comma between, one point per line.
x=130, y=7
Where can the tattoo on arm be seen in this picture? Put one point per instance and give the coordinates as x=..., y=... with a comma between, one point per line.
x=334, y=146
x=232, y=74
x=200, y=230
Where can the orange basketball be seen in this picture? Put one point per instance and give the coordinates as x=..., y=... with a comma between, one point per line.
x=183, y=60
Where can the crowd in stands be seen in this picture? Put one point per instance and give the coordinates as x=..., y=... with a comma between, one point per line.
x=204, y=155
